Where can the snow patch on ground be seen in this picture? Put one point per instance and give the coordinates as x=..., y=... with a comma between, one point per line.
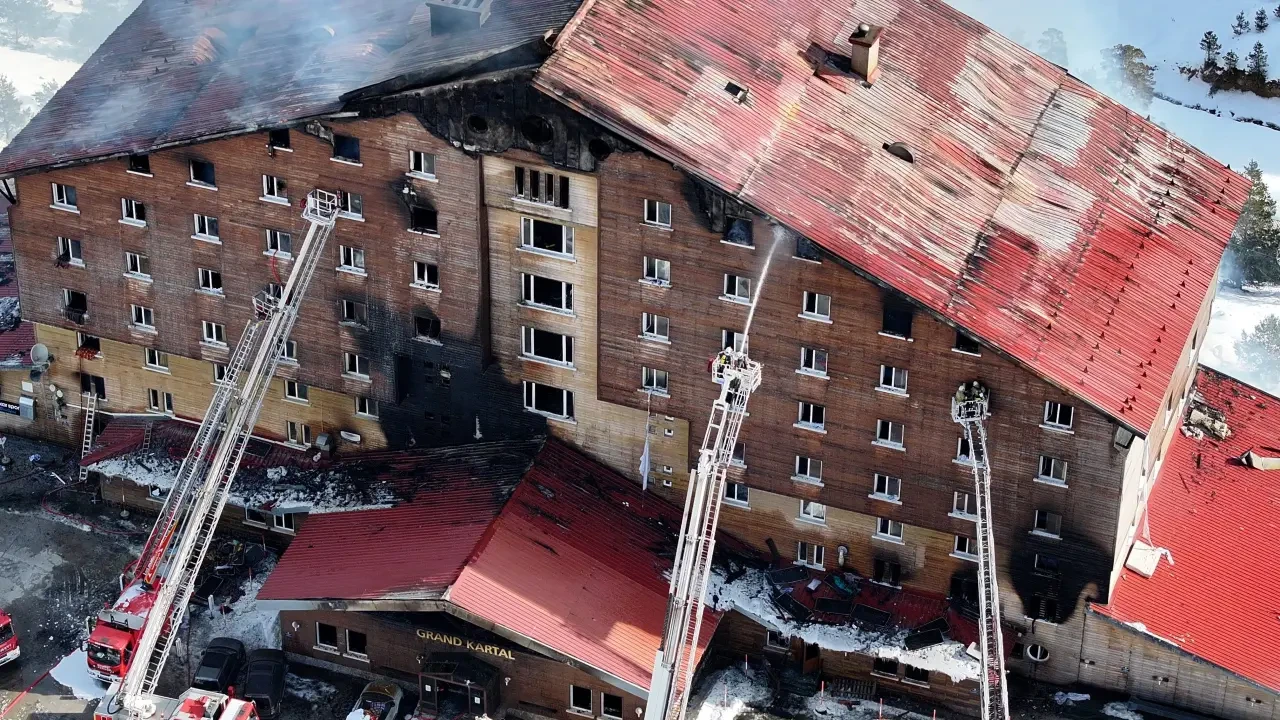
x=72, y=672
x=1121, y=710
x=246, y=620
x=149, y=470
x=751, y=595
x=309, y=689
x=731, y=692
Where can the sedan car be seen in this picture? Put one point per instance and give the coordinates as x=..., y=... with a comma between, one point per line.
x=220, y=665
x=264, y=681
x=378, y=701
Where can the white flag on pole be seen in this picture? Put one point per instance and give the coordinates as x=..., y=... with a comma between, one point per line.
x=644, y=464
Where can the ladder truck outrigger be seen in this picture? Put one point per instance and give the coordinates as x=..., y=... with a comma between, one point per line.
x=158, y=586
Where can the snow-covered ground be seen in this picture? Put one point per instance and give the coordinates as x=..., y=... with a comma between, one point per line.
x=72, y=672
x=1122, y=711
x=247, y=621
x=1236, y=312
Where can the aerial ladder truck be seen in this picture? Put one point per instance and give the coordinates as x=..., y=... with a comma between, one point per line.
x=165, y=574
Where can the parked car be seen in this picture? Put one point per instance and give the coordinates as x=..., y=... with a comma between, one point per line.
x=378, y=701
x=9, y=650
x=264, y=681
x=220, y=665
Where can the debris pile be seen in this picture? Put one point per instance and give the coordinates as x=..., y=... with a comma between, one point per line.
x=1203, y=419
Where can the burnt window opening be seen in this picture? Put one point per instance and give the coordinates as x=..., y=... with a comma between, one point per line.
x=807, y=249
x=93, y=384
x=1045, y=608
x=536, y=130
x=966, y=344
x=426, y=328
x=887, y=572
x=737, y=231
x=885, y=666
x=346, y=148
x=900, y=151
x=546, y=236
x=423, y=219
x=90, y=343
x=736, y=91
x=916, y=675
x=140, y=164
x=356, y=313
x=477, y=124
x=897, y=318
x=964, y=590
x=75, y=301
x=599, y=149
x=1047, y=565
x=202, y=173
x=278, y=139
x=542, y=187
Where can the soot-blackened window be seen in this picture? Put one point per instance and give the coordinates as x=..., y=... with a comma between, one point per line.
x=423, y=219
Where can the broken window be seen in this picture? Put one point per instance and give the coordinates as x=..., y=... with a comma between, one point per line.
x=64, y=196
x=214, y=333
x=76, y=305
x=346, y=148
x=546, y=236
x=140, y=164
x=807, y=249
x=289, y=351
x=354, y=364
x=1053, y=470
x=546, y=293
x=1058, y=416
x=350, y=204
x=965, y=546
x=736, y=493
x=808, y=470
x=206, y=227
x=887, y=487
x=1046, y=564
x=965, y=455
x=887, y=572
x=279, y=243
x=351, y=259
x=542, y=187
x=426, y=328
x=326, y=636
x=546, y=345
x=219, y=372
x=810, y=510
x=897, y=318
x=357, y=643
x=655, y=327
x=1123, y=438
x=810, y=555
x=656, y=271
x=155, y=359
x=138, y=265
x=812, y=416
x=739, y=455
x=813, y=361
x=202, y=173
x=888, y=529
x=93, y=384
x=657, y=213
x=423, y=220
x=889, y=433
x=611, y=706
x=294, y=390
x=298, y=433
x=774, y=640
x=731, y=339
x=142, y=317
x=816, y=306
x=893, y=379
x=964, y=505
x=885, y=666
x=422, y=163
x=274, y=188
x=548, y=400
x=966, y=344
x=88, y=344
x=426, y=274
x=210, y=280
x=69, y=252
x=278, y=139
x=356, y=313
x=737, y=231
x=1044, y=608
x=580, y=699
x=1048, y=523
x=132, y=212
x=653, y=380
x=367, y=407
x=737, y=288
x=912, y=674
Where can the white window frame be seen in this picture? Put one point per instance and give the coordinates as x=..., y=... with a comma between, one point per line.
x=810, y=555
x=352, y=310
x=528, y=282
x=737, y=494
x=566, y=238
x=133, y=265
x=886, y=487
x=657, y=213
x=1047, y=517
x=578, y=709
x=350, y=360
x=206, y=278
x=275, y=189
x=298, y=392
x=897, y=380
x=191, y=175
x=969, y=459
x=528, y=344
x=366, y=406
x=782, y=642
x=60, y=197
x=657, y=271
x=129, y=211
x=807, y=412
x=212, y=333
x=969, y=501
x=154, y=359
x=200, y=228
x=142, y=317
x=344, y=205
x=219, y=373
x=1054, y=464
x=970, y=551
x=351, y=259
x=159, y=401
x=738, y=458
x=731, y=339
x=655, y=327
x=422, y=275
x=740, y=283
x=805, y=470
x=73, y=249
x=655, y=381
x=813, y=512
x=1053, y=412
x=885, y=530
x=809, y=362
x=289, y=351
x=273, y=239
x=418, y=163
x=297, y=433
x=533, y=389
x=319, y=645
x=886, y=428
x=816, y=306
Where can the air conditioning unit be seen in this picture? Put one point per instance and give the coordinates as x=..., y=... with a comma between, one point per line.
x=323, y=442
x=350, y=436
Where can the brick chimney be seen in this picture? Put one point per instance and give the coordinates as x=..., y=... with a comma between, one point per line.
x=864, y=59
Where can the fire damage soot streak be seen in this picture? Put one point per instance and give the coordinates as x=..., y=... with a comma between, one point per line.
x=466, y=644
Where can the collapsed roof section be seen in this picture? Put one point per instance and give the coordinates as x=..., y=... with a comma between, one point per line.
x=973, y=176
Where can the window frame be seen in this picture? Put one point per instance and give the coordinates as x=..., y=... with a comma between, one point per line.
x=357, y=653
x=133, y=212
x=971, y=547
x=656, y=278
x=528, y=293
x=809, y=357
x=65, y=197
x=273, y=237
x=73, y=249
x=422, y=172
x=975, y=453
x=1047, y=524
x=140, y=261
x=892, y=314
x=654, y=209
x=811, y=555
x=201, y=225
x=1052, y=420
x=298, y=433
x=814, y=410
x=529, y=344
x=353, y=312
x=886, y=427
x=350, y=142
x=739, y=282
x=370, y=407
x=160, y=401
x=346, y=201
x=210, y=281
x=605, y=713
x=422, y=275
x=736, y=493
x=275, y=189
x=295, y=391
x=1053, y=463
x=807, y=475
x=320, y=644
x=212, y=333
x=814, y=512
x=350, y=359
x=275, y=138
x=528, y=238
x=885, y=527
x=888, y=482
x=145, y=313
x=969, y=500
x=531, y=391
x=191, y=174
x=816, y=300
x=658, y=322
x=433, y=329
x=964, y=339
x=351, y=259
x=154, y=359
x=655, y=381
x=577, y=708
x=894, y=375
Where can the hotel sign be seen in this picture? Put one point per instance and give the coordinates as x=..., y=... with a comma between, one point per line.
x=465, y=644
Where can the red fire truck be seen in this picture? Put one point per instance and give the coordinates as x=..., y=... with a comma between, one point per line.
x=9, y=650
x=114, y=634
x=192, y=705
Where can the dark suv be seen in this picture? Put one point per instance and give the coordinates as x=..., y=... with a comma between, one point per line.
x=264, y=681
x=219, y=665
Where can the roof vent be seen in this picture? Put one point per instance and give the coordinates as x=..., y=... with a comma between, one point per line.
x=736, y=91
x=865, y=58
x=900, y=151
x=449, y=17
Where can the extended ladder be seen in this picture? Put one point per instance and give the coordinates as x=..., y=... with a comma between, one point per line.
x=86, y=442
x=204, y=481
x=674, y=663
x=969, y=409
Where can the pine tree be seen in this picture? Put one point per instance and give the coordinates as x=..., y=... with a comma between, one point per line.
x=1260, y=20
x=1241, y=25
x=1231, y=61
x=27, y=19
x=1258, y=351
x=12, y=115
x=1256, y=62
x=1128, y=74
x=1252, y=255
x=1053, y=46
x=1211, y=47
x=1276, y=12
x=46, y=91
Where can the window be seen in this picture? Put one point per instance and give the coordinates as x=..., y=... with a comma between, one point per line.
x=657, y=213
x=64, y=196
x=657, y=272
x=611, y=706
x=737, y=288
x=964, y=455
x=350, y=204
x=155, y=359
x=366, y=407
x=355, y=313
x=887, y=487
x=965, y=547
x=888, y=529
x=897, y=318
x=210, y=280
x=298, y=433
x=426, y=274
x=919, y=676
x=426, y=328
x=88, y=345
x=132, y=212
x=278, y=139
x=76, y=305
x=140, y=164
x=808, y=469
x=546, y=236
x=1047, y=565
x=774, y=640
x=1048, y=523
x=206, y=227
x=285, y=522
x=354, y=364
x=542, y=187
x=884, y=666
x=423, y=220
x=964, y=505
x=274, y=188
x=810, y=510
x=580, y=699
x=1044, y=608
x=346, y=148
x=886, y=572
x=813, y=361
x=350, y=259
x=69, y=252
x=219, y=372
x=810, y=555
x=731, y=339
x=1052, y=470
x=1037, y=653
x=202, y=173
x=357, y=643
x=546, y=345
x=275, y=290
x=811, y=416
x=548, y=400
x=159, y=401
x=893, y=379
x=258, y=517
x=739, y=455
x=889, y=433
x=966, y=344
x=279, y=243
x=326, y=636
x=736, y=493
x=142, y=316
x=138, y=265
x=294, y=390
x=95, y=384
x=289, y=351
x=737, y=231
x=1057, y=415
x=654, y=381
x=422, y=163
x=546, y=293
x=214, y=333
x=816, y=306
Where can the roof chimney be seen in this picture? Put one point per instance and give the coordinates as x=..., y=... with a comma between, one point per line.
x=864, y=60
x=453, y=16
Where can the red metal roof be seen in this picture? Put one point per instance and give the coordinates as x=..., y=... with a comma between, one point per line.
x=1041, y=216
x=605, y=543
x=1220, y=597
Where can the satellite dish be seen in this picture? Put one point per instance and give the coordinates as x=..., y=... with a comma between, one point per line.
x=39, y=354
